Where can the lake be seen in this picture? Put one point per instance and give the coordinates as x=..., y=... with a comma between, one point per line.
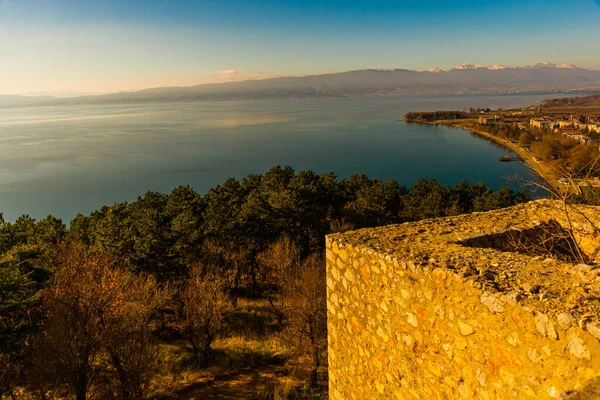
x=75, y=159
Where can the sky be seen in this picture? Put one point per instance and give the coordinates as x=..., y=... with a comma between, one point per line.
x=62, y=47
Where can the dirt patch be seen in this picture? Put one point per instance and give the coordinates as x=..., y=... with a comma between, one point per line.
x=246, y=384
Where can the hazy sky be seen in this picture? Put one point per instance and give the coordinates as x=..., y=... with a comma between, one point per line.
x=112, y=45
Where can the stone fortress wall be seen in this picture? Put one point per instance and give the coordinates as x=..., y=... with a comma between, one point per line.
x=452, y=308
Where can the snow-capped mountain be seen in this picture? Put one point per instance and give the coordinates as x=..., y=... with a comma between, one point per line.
x=480, y=66
x=435, y=70
x=432, y=69
x=551, y=65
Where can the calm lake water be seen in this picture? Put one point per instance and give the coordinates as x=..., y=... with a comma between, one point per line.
x=69, y=160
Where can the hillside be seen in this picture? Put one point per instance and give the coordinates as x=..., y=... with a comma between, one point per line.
x=588, y=104
x=462, y=79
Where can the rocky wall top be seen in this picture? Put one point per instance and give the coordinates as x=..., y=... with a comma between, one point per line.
x=542, y=254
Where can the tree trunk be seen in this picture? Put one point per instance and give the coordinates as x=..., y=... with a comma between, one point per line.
x=194, y=346
x=278, y=310
x=254, y=281
x=130, y=390
x=81, y=385
x=81, y=393
x=314, y=373
x=236, y=286
x=206, y=350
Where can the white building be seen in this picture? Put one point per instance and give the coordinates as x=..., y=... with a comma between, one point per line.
x=542, y=123
x=582, y=139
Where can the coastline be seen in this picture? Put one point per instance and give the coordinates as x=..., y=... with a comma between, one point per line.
x=541, y=168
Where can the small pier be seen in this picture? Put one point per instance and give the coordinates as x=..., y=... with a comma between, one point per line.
x=509, y=157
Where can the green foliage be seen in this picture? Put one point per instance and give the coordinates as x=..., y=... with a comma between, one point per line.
x=163, y=234
x=429, y=199
x=525, y=138
x=372, y=202
x=505, y=197
x=27, y=260
x=17, y=294
x=434, y=116
x=506, y=131
x=27, y=253
x=110, y=230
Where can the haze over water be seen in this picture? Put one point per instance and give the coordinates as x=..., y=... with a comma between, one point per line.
x=68, y=160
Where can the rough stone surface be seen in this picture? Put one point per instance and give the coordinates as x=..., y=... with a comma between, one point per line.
x=565, y=320
x=594, y=329
x=511, y=298
x=492, y=302
x=577, y=347
x=465, y=329
x=544, y=326
x=415, y=312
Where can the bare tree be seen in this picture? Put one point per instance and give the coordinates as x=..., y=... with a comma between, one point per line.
x=297, y=294
x=340, y=226
x=203, y=303
x=98, y=313
x=229, y=263
x=307, y=313
x=278, y=266
x=126, y=318
x=572, y=187
x=71, y=342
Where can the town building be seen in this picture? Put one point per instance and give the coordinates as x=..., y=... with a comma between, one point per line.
x=488, y=120
x=563, y=123
x=583, y=139
x=542, y=123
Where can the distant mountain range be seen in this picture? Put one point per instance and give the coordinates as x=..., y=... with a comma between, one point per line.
x=462, y=79
x=499, y=67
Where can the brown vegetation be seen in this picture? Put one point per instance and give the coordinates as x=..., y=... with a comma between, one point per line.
x=203, y=304
x=98, y=328
x=579, y=101
x=307, y=314
x=279, y=266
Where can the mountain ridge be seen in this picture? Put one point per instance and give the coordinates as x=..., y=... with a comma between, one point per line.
x=462, y=79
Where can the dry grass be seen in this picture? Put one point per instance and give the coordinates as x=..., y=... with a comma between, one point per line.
x=250, y=360
x=176, y=371
x=250, y=351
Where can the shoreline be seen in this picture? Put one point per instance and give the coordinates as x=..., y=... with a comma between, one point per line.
x=541, y=168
